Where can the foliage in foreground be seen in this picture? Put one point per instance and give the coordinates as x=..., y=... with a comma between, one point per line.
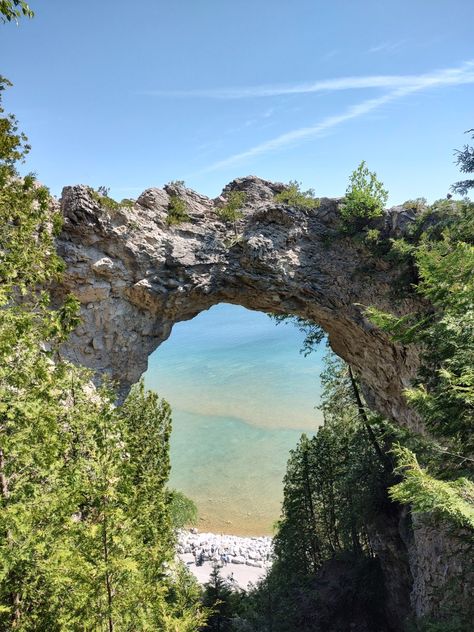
x=13, y=10
x=222, y=601
x=443, y=393
x=86, y=531
x=447, y=499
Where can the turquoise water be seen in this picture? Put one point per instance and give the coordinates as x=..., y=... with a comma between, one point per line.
x=241, y=394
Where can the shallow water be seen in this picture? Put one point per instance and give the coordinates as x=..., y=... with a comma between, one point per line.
x=241, y=394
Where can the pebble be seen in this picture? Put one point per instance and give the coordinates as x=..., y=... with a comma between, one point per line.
x=226, y=549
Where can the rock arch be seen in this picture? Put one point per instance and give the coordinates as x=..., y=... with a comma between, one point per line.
x=136, y=276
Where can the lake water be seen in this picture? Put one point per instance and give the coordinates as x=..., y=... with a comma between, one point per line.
x=241, y=394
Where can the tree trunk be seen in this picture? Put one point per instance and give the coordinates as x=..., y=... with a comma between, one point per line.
x=15, y=596
x=314, y=545
x=384, y=458
x=107, y=575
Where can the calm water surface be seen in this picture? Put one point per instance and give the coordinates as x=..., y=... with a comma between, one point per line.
x=241, y=394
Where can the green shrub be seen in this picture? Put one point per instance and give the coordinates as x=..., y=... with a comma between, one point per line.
x=101, y=195
x=182, y=509
x=231, y=211
x=453, y=500
x=294, y=196
x=417, y=204
x=364, y=200
x=372, y=236
x=177, y=211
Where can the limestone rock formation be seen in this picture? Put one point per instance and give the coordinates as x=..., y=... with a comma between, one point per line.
x=136, y=276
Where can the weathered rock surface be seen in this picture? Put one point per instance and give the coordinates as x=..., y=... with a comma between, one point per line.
x=442, y=563
x=135, y=277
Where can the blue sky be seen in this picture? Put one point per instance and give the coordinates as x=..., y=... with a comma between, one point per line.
x=131, y=95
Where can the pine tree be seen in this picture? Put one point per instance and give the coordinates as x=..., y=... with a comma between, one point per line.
x=86, y=538
x=221, y=600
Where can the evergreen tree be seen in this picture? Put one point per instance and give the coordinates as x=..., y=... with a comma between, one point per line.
x=364, y=200
x=231, y=212
x=465, y=160
x=443, y=392
x=86, y=538
x=334, y=481
x=221, y=600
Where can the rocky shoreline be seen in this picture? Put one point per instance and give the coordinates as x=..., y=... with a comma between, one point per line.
x=224, y=549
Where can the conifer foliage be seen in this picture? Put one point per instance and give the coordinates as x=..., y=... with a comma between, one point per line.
x=86, y=534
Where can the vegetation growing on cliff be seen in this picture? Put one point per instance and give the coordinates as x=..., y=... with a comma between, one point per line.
x=443, y=394
x=231, y=212
x=292, y=195
x=177, y=211
x=433, y=476
x=364, y=200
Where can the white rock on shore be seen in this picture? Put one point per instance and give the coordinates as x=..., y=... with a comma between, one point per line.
x=200, y=551
x=230, y=549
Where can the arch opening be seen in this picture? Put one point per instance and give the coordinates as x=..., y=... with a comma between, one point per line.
x=241, y=395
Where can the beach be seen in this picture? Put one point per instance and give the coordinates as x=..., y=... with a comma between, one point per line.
x=242, y=560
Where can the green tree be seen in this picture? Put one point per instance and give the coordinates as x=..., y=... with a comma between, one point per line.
x=182, y=509
x=453, y=499
x=12, y=10
x=86, y=537
x=32, y=387
x=442, y=249
x=335, y=480
x=465, y=160
x=335, y=486
x=364, y=200
x=231, y=212
x=292, y=195
x=221, y=600
x=177, y=210
x=443, y=392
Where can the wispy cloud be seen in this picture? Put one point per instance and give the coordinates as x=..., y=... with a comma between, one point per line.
x=454, y=76
x=387, y=47
x=330, y=54
x=388, y=82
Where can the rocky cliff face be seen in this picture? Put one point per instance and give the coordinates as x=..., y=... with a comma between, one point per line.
x=136, y=276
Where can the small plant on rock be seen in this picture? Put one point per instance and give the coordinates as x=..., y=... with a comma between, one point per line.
x=294, y=196
x=365, y=199
x=177, y=211
x=101, y=195
x=231, y=211
x=419, y=204
x=372, y=236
